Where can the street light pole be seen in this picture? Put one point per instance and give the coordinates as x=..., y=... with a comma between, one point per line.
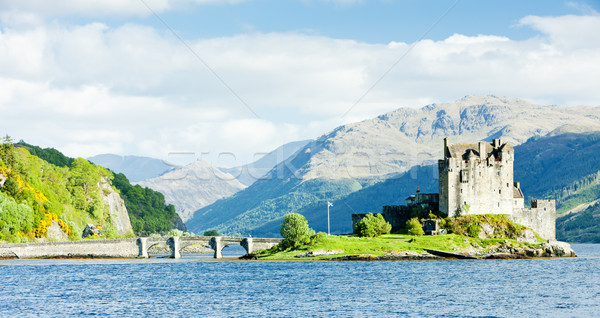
x=328, y=226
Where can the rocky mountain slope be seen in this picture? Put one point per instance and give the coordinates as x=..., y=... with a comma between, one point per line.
x=193, y=186
x=359, y=156
x=248, y=174
x=136, y=168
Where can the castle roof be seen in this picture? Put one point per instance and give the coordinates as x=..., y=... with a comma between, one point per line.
x=517, y=193
x=465, y=151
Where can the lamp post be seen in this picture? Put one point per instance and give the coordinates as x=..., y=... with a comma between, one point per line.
x=328, y=227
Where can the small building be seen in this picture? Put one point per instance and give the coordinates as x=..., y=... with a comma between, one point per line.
x=431, y=227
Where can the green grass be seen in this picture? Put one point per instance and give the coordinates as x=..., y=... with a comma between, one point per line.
x=386, y=244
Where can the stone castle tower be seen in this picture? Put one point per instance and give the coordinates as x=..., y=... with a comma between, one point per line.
x=478, y=179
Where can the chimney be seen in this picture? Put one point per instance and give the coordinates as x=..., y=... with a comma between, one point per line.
x=517, y=185
x=482, y=151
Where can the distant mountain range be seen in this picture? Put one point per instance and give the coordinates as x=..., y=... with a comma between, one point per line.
x=193, y=186
x=197, y=184
x=365, y=165
x=248, y=174
x=136, y=168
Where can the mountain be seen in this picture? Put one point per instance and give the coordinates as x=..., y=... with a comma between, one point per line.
x=248, y=174
x=343, y=164
x=134, y=167
x=563, y=167
x=193, y=186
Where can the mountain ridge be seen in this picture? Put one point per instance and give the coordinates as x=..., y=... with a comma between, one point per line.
x=389, y=145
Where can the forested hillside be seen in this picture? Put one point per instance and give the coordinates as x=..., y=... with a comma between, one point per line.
x=147, y=209
x=566, y=168
x=581, y=227
x=558, y=167
x=36, y=193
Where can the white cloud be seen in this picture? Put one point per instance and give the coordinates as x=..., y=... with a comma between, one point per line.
x=134, y=90
x=98, y=8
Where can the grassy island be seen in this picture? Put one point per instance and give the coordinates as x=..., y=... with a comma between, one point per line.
x=336, y=247
x=471, y=237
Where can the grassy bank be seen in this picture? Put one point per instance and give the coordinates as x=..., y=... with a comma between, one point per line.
x=389, y=244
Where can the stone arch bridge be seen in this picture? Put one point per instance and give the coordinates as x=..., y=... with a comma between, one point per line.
x=216, y=243
x=130, y=247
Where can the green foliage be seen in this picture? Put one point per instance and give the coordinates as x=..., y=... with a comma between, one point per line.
x=69, y=191
x=473, y=230
x=470, y=225
x=387, y=244
x=7, y=156
x=295, y=231
x=175, y=232
x=317, y=238
x=372, y=226
x=414, y=227
x=465, y=209
x=14, y=217
x=581, y=227
x=211, y=233
x=50, y=155
x=147, y=209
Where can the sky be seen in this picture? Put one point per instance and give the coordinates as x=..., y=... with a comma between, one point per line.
x=228, y=80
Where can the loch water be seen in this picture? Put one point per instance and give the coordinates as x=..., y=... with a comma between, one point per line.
x=199, y=287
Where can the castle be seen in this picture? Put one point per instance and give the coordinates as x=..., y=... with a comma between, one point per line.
x=478, y=179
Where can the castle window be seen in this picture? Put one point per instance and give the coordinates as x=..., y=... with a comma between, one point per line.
x=498, y=173
x=498, y=204
x=507, y=185
x=499, y=191
x=460, y=190
x=464, y=176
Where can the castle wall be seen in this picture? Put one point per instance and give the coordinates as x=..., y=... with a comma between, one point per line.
x=541, y=218
x=486, y=185
x=396, y=216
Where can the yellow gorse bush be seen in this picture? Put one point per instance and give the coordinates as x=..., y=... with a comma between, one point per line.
x=42, y=229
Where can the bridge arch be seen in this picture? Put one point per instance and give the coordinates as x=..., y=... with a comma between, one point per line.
x=218, y=243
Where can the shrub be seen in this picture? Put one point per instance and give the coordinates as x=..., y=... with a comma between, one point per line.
x=372, y=226
x=211, y=233
x=295, y=231
x=316, y=238
x=414, y=227
x=473, y=230
x=175, y=232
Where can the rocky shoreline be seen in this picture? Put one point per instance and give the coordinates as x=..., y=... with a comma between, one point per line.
x=553, y=249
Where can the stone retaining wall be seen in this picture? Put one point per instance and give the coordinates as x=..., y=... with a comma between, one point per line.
x=125, y=248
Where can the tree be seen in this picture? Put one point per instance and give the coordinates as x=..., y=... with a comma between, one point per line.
x=211, y=233
x=295, y=230
x=7, y=152
x=414, y=227
x=372, y=226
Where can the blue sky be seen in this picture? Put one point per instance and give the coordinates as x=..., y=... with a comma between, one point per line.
x=108, y=76
x=378, y=21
